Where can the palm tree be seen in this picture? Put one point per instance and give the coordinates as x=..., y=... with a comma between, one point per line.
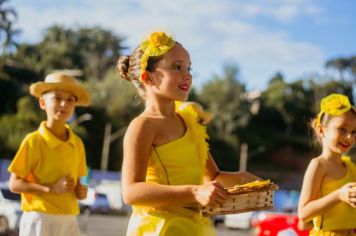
x=339, y=64
x=353, y=67
x=8, y=16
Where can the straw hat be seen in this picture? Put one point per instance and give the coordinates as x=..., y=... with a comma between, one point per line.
x=61, y=81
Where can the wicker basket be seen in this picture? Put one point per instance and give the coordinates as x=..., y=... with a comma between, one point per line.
x=243, y=200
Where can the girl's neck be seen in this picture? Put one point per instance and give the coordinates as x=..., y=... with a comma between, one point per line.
x=329, y=155
x=58, y=129
x=162, y=109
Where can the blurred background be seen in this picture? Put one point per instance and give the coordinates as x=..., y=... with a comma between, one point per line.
x=260, y=67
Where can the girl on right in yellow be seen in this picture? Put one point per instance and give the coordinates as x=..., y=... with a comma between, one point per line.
x=328, y=196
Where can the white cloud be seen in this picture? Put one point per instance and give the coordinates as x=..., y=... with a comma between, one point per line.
x=283, y=11
x=213, y=31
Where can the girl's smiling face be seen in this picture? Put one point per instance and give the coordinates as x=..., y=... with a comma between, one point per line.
x=339, y=133
x=171, y=77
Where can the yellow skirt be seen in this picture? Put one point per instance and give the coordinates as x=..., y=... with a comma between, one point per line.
x=173, y=222
x=350, y=232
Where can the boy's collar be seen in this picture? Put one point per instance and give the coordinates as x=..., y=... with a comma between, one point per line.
x=52, y=140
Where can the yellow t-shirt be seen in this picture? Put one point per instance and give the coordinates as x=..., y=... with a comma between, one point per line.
x=341, y=216
x=43, y=158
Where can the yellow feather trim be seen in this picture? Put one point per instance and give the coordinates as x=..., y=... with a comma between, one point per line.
x=191, y=118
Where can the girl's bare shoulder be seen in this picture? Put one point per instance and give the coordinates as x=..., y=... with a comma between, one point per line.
x=143, y=124
x=317, y=164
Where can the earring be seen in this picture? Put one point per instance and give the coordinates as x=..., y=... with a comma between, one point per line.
x=145, y=77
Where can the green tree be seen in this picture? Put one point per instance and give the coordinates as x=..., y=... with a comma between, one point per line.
x=291, y=100
x=14, y=127
x=8, y=16
x=92, y=50
x=343, y=65
x=353, y=66
x=226, y=98
x=115, y=101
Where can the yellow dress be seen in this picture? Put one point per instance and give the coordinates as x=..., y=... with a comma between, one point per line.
x=339, y=219
x=179, y=162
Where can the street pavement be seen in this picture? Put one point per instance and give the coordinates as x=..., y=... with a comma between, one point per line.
x=109, y=225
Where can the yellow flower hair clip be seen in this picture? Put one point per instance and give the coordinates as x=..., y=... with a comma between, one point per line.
x=156, y=45
x=335, y=105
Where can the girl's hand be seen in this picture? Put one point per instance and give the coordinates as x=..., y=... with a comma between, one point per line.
x=81, y=191
x=304, y=225
x=210, y=194
x=64, y=184
x=348, y=194
x=247, y=177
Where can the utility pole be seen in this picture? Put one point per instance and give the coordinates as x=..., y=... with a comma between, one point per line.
x=243, y=156
x=108, y=139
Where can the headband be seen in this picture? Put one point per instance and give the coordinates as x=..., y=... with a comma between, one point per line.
x=156, y=45
x=335, y=105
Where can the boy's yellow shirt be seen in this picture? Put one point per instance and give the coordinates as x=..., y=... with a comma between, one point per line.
x=43, y=158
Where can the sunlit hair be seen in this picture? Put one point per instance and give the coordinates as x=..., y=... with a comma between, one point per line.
x=144, y=58
x=129, y=68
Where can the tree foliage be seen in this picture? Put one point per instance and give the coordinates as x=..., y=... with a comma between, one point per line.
x=273, y=122
x=91, y=50
x=343, y=66
x=227, y=99
x=14, y=127
x=8, y=17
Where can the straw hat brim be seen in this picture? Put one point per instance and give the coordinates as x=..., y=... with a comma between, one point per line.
x=82, y=95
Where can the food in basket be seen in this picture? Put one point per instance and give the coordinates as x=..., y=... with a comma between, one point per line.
x=258, y=185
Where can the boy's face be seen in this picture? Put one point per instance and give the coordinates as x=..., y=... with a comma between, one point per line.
x=59, y=105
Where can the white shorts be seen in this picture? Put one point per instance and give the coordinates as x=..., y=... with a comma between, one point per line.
x=41, y=224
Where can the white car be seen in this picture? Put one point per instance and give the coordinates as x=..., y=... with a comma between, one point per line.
x=87, y=203
x=10, y=208
x=112, y=190
x=239, y=221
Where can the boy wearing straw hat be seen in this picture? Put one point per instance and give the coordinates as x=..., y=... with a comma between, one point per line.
x=50, y=161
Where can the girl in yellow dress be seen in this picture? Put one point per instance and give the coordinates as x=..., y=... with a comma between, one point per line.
x=328, y=196
x=168, y=172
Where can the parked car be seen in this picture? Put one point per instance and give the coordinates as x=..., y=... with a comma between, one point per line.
x=112, y=190
x=10, y=208
x=239, y=221
x=85, y=204
x=279, y=224
x=281, y=221
x=218, y=219
x=94, y=203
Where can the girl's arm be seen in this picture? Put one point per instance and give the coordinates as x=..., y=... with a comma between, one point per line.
x=20, y=185
x=137, y=145
x=225, y=178
x=310, y=203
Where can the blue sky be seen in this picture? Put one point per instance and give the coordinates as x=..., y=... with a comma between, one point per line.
x=295, y=37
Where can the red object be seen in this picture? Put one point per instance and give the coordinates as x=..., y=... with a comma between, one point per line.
x=274, y=223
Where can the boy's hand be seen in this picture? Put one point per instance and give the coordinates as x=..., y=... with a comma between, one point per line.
x=348, y=194
x=64, y=184
x=81, y=191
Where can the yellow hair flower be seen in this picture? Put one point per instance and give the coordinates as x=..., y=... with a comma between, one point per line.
x=335, y=105
x=156, y=45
